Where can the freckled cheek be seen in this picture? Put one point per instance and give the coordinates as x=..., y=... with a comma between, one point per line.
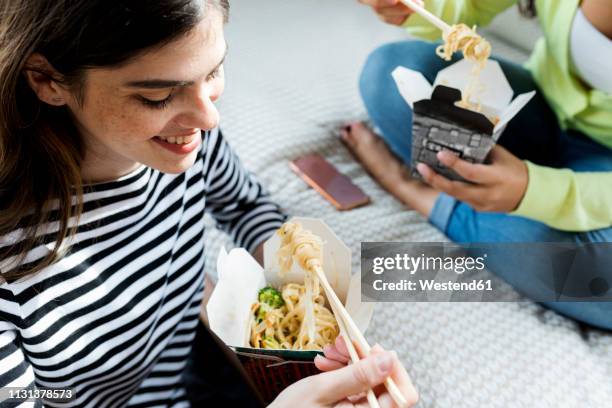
x=136, y=125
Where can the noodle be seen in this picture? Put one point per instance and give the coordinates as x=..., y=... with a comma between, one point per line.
x=301, y=244
x=475, y=49
x=303, y=322
x=286, y=325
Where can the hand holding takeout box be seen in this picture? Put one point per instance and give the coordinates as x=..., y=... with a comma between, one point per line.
x=439, y=124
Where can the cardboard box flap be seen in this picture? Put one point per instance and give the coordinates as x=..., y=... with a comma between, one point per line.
x=515, y=107
x=412, y=85
x=240, y=278
x=336, y=259
x=494, y=90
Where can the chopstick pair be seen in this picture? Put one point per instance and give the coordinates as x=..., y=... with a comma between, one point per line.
x=372, y=400
x=352, y=333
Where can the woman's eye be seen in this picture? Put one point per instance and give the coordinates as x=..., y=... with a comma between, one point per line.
x=157, y=104
x=215, y=73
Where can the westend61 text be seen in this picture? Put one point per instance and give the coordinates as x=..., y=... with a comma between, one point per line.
x=432, y=285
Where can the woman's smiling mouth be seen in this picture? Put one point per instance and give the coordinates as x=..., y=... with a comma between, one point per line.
x=182, y=144
x=184, y=138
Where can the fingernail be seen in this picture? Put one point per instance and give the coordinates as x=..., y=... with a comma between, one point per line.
x=421, y=168
x=384, y=362
x=443, y=156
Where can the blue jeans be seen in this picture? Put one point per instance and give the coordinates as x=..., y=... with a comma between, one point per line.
x=534, y=134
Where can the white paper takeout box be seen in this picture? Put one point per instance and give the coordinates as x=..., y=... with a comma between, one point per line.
x=438, y=124
x=240, y=278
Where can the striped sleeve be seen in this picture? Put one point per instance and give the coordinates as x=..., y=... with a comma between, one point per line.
x=15, y=371
x=235, y=198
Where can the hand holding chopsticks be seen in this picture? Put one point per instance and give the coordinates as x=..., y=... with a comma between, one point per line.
x=397, y=12
x=355, y=335
x=354, y=356
x=305, y=249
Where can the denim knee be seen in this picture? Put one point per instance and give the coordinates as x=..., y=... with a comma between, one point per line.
x=376, y=77
x=464, y=225
x=417, y=55
x=389, y=113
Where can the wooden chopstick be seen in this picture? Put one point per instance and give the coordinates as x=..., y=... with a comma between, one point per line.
x=435, y=20
x=355, y=334
x=372, y=400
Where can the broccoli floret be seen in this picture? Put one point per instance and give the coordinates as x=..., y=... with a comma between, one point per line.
x=270, y=343
x=271, y=297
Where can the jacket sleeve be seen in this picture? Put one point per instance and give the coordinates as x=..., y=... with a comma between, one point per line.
x=567, y=200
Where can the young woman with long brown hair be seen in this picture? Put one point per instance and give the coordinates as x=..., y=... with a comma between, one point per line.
x=110, y=156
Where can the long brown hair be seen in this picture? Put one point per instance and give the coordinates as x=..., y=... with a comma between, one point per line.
x=40, y=149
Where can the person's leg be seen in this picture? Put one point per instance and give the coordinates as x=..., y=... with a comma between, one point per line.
x=462, y=224
x=387, y=169
x=386, y=153
x=390, y=114
x=468, y=226
x=580, y=153
x=533, y=134
x=523, y=272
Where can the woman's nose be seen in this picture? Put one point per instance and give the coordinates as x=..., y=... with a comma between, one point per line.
x=203, y=113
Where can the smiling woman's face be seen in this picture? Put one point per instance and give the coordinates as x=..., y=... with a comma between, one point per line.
x=151, y=110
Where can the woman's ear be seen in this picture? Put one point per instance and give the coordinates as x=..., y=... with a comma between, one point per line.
x=41, y=77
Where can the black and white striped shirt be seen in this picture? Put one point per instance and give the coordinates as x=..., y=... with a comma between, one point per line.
x=114, y=319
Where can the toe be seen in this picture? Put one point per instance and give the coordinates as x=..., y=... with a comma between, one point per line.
x=363, y=136
x=347, y=136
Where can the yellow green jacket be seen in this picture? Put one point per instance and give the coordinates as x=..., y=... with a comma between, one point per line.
x=560, y=198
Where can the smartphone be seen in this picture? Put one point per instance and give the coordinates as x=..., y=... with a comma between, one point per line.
x=329, y=182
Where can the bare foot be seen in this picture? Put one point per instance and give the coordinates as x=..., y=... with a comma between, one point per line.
x=387, y=169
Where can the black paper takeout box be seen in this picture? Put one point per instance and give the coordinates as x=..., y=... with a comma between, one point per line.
x=439, y=124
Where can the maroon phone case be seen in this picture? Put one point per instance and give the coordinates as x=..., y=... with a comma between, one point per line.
x=329, y=182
